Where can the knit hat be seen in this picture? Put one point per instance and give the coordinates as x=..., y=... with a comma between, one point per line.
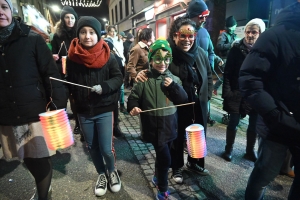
x=122, y=34
x=91, y=22
x=129, y=36
x=258, y=22
x=67, y=10
x=10, y=5
x=159, y=44
x=196, y=8
x=230, y=21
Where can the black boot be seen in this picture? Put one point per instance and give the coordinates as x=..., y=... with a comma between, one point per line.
x=250, y=151
x=117, y=132
x=123, y=109
x=209, y=120
x=230, y=137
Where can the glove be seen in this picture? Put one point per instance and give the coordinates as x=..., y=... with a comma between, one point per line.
x=97, y=89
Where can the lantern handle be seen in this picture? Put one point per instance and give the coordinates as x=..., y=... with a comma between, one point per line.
x=69, y=82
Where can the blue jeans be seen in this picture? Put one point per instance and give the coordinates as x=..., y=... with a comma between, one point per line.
x=122, y=99
x=271, y=155
x=235, y=119
x=98, y=134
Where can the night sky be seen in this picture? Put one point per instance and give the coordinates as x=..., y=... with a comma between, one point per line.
x=97, y=12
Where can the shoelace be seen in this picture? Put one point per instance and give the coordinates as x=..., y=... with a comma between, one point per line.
x=178, y=172
x=101, y=182
x=113, y=178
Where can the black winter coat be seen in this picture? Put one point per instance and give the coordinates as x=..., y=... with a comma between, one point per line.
x=109, y=77
x=269, y=78
x=26, y=64
x=233, y=102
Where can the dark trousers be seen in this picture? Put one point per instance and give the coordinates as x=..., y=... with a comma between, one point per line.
x=186, y=114
x=162, y=165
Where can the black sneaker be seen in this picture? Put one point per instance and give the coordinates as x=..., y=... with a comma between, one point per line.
x=82, y=138
x=177, y=175
x=114, y=181
x=101, y=185
x=77, y=130
x=117, y=132
x=196, y=168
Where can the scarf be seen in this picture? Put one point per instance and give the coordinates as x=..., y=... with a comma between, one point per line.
x=96, y=57
x=185, y=61
x=249, y=46
x=6, y=31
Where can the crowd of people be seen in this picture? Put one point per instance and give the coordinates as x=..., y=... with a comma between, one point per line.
x=260, y=80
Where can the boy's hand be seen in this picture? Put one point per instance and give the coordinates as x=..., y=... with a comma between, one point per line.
x=135, y=111
x=167, y=81
x=141, y=76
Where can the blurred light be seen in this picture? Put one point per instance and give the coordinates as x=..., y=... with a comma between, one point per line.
x=82, y=3
x=104, y=19
x=55, y=8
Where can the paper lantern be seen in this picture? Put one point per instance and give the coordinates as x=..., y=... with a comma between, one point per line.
x=56, y=128
x=196, y=143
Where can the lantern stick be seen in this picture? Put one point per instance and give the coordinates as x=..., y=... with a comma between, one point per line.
x=168, y=107
x=70, y=83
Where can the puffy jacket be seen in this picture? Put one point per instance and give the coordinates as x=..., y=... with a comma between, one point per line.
x=109, y=77
x=224, y=43
x=269, y=78
x=159, y=126
x=26, y=64
x=233, y=102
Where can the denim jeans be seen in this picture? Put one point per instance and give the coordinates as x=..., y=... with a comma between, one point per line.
x=122, y=99
x=235, y=119
x=98, y=134
x=271, y=155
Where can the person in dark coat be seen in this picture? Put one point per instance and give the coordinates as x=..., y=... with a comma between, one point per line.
x=91, y=63
x=191, y=65
x=159, y=127
x=64, y=34
x=127, y=44
x=225, y=40
x=26, y=64
x=269, y=82
x=233, y=102
x=198, y=12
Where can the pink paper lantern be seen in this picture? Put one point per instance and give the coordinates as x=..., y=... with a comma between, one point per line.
x=56, y=128
x=196, y=143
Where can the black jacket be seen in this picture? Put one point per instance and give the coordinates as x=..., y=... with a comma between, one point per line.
x=270, y=78
x=233, y=102
x=109, y=77
x=26, y=64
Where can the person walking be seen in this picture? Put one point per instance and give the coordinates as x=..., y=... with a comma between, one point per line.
x=233, y=103
x=162, y=89
x=26, y=90
x=269, y=82
x=198, y=12
x=191, y=65
x=64, y=34
x=90, y=63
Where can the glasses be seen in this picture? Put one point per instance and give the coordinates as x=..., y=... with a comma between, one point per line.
x=159, y=59
x=252, y=32
x=183, y=36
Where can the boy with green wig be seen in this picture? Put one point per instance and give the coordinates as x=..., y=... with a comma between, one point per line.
x=159, y=127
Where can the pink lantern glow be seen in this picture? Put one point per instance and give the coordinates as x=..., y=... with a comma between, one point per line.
x=196, y=143
x=57, y=130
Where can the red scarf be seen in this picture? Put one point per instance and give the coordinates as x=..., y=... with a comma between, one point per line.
x=96, y=57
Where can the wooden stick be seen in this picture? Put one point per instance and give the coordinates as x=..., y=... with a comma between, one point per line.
x=168, y=107
x=70, y=83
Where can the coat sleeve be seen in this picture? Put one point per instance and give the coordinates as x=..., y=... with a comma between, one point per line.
x=258, y=65
x=135, y=97
x=211, y=54
x=228, y=72
x=132, y=61
x=47, y=68
x=176, y=93
x=54, y=43
x=115, y=80
x=221, y=44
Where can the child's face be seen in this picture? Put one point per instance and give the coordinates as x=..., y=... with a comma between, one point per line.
x=161, y=60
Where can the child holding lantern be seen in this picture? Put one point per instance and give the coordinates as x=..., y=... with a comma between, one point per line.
x=90, y=63
x=162, y=89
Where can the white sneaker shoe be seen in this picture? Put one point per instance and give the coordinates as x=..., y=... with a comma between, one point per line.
x=114, y=181
x=177, y=176
x=101, y=185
